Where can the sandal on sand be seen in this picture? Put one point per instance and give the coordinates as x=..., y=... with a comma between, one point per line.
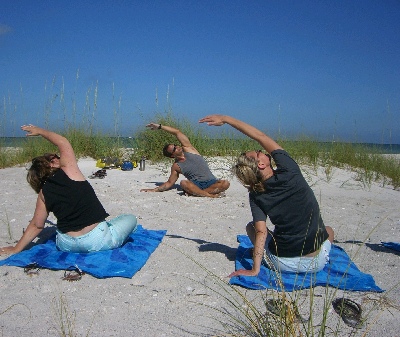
x=278, y=308
x=32, y=269
x=73, y=275
x=349, y=311
x=99, y=174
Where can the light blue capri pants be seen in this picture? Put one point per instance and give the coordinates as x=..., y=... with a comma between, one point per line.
x=108, y=234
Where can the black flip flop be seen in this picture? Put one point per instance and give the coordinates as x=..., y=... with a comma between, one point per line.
x=32, y=269
x=349, y=311
x=73, y=275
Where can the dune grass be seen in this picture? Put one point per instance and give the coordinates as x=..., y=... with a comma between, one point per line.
x=369, y=165
x=64, y=318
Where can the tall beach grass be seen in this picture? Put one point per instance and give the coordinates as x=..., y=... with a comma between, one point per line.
x=369, y=165
x=77, y=117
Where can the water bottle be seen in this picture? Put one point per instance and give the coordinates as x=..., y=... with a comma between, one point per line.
x=142, y=164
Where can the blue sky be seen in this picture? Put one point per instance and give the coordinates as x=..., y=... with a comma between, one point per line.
x=329, y=69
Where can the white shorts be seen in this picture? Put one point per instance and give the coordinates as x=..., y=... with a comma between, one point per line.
x=298, y=264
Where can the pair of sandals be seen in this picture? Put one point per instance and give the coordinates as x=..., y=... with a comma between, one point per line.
x=74, y=274
x=348, y=310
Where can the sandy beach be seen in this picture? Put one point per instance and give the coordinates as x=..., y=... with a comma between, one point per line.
x=169, y=295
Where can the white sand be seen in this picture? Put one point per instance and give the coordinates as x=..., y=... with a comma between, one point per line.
x=168, y=296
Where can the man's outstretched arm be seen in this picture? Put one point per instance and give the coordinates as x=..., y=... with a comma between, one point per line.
x=182, y=138
x=167, y=185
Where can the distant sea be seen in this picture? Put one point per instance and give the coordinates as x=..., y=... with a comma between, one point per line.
x=129, y=142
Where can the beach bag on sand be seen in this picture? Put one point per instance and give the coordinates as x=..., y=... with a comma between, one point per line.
x=100, y=163
x=127, y=166
x=109, y=163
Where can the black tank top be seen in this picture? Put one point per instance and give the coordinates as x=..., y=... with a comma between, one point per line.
x=73, y=203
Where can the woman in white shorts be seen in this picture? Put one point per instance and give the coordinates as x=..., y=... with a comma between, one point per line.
x=300, y=242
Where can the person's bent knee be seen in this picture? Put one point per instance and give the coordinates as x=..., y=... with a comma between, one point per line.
x=121, y=227
x=222, y=185
x=125, y=223
x=184, y=184
x=128, y=218
x=225, y=184
x=132, y=220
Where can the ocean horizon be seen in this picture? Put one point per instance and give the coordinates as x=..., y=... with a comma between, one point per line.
x=130, y=142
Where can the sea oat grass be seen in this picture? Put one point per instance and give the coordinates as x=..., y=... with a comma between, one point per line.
x=369, y=165
x=64, y=318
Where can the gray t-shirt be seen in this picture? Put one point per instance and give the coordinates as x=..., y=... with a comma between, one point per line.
x=291, y=206
x=195, y=168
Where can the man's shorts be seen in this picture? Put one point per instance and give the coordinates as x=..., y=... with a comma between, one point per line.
x=204, y=184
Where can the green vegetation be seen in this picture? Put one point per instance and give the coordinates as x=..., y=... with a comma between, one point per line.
x=369, y=165
x=64, y=318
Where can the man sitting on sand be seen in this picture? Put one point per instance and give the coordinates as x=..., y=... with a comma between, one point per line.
x=300, y=241
x=188, y=161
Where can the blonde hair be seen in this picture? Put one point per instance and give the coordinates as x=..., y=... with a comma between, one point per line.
x=246, y=170
x=39, y=172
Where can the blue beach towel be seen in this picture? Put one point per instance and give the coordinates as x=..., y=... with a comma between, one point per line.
x=392, y=245
x=339, y=273
x=121, y=262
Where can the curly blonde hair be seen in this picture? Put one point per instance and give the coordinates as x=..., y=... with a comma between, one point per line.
x=247, y=172
x=40, y=171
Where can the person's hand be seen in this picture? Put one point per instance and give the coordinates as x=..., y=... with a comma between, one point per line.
x=153, y=126
x=243, y=272
x=7, y=250
x=216, y=120
x=147, y=190
x=31, y=130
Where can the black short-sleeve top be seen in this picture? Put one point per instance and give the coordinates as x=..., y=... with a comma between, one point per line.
x=74, y=203
x=291, y=206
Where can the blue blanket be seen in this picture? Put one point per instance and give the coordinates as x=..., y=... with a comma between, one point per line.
x=392, y=245
x=340, y=273
x=122, y=262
